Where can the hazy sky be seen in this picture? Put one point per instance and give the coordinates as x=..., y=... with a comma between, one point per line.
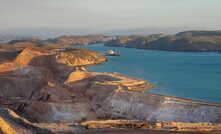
x=107, y=16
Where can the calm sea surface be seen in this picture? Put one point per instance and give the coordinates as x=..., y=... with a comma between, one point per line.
x=190, y=75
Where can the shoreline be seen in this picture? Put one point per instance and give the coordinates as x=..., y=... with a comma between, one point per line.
x=158, y=94
x=189, y=100
x=192, y=90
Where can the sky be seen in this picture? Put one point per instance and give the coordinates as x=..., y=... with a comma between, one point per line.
x=54, y=17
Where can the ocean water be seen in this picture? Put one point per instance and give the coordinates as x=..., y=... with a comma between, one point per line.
x=192, y=75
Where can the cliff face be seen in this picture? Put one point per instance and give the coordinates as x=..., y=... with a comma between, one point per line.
x=184, y=41
x=164, y=109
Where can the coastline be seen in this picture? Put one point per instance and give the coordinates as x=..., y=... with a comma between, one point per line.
x=57, y=92
x=166, y=68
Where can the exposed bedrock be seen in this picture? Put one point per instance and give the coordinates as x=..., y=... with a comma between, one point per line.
x=32, y=85
x=154, y=107
x=11, y=123
x=110, y=102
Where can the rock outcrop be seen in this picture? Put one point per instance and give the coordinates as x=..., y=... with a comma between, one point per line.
x=136, y=124
x=29, y=53
x=79, y=57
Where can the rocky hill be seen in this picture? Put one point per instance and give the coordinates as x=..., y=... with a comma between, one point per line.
x=184, y=41
x=78, y=56
x=50, y=91
x=8, y=38
x=80, y=40
x=56, y=43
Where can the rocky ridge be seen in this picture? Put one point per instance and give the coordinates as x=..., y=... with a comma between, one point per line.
x=61, y=42
x=199, y=41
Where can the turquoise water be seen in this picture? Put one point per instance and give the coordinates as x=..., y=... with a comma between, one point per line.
x=183, y=74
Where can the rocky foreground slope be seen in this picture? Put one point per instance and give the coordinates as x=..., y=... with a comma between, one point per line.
x=184, y=41
x=51, y=92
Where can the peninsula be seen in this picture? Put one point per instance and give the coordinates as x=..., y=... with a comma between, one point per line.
x=188, y=41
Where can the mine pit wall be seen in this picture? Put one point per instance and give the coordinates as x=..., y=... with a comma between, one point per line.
x=152, y=107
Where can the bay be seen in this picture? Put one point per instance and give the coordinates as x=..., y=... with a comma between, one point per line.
x=192, y=75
